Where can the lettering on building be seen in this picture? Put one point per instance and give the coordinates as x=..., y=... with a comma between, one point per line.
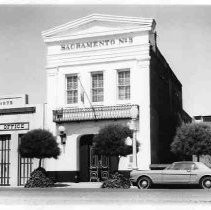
x=14, y=126
x=96, y=44
x=6, y=102
x=13, y=100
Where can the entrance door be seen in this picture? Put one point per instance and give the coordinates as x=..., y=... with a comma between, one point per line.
x=92, y=167
x=5, y=160
x=99, y=167
x=24, y=167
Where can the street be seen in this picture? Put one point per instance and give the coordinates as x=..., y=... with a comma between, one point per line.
x=67, y=196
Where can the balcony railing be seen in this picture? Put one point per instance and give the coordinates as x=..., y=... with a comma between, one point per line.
x=94, y=113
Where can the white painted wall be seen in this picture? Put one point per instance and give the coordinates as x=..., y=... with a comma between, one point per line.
x=69, y=158
x=134, y=56
x=141, y=91
x=35, y=121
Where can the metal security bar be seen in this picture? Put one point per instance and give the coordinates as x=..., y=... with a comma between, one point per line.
x=95, y=113
x=5, y=160
x=24, y=167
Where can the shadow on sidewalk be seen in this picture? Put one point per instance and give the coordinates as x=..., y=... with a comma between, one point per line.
x=61, y=185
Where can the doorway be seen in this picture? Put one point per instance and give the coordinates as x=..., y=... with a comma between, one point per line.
x=93, y=168
x=24, y=167
x=5, y=160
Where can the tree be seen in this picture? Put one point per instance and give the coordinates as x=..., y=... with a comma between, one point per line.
x=192, y=139
x=39, y=144
x=111, y=141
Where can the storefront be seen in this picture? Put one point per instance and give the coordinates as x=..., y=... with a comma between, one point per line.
x=98, y=68
x=16, y=118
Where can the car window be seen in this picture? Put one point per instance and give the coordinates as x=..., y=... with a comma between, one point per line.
x=186, y=166
x=173, y=166
x=181, y=166
x=169, y=167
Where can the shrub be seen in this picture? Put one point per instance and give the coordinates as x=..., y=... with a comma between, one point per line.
x=117, y=180
x=39, y=143
x=192, y=139
x=39, y=179
x=111, y=142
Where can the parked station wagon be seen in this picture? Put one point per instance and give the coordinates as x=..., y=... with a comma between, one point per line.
x=185, y=172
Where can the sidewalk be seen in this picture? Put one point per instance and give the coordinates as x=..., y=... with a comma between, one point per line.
x=87, y=185
x=79, y=185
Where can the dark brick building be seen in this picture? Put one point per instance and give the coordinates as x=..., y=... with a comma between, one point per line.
x=166, y=107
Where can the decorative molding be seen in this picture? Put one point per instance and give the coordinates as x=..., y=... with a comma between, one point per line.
x=138, y=47
x=94, y=34
x=85, y=62
x=147, y=22
x=140, y=53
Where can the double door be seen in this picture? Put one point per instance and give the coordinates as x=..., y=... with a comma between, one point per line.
x=99, y=167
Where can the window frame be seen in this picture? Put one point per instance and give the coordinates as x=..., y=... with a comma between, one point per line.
x=93, y=88
x=118, y=85
x=66, y=89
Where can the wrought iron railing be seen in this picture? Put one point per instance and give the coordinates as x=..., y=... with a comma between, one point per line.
x=93, y=113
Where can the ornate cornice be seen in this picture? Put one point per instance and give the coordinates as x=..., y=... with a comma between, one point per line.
x=145, y=22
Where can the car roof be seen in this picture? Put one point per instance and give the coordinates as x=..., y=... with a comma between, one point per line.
x=185, y=162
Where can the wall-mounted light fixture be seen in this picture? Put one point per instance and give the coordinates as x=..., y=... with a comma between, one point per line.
x=62, y=134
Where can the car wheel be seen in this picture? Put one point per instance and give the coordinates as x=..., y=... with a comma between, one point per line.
x=144, y=183
x=205, y=183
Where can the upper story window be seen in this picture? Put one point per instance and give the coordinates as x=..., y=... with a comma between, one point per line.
x=97, y=87
x=72, y=89
x=124, y=84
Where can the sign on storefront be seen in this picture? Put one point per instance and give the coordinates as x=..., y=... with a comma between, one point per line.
x=14, y=126
x=97, y=44
x=13, y=101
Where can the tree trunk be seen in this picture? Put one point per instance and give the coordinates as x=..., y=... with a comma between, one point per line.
x=114, y=164
x=40, y=161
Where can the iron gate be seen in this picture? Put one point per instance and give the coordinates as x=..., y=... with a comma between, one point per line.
x=99, y=167
x=24, y=167
x=5, y=160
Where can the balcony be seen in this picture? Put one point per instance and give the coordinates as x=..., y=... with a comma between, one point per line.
x=92, y=113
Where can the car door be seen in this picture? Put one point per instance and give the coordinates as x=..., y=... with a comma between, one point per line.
x=179, y=173
x=198, y=171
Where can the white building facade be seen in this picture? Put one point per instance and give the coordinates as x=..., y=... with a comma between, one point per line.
x=97, y=69
x=17, y=117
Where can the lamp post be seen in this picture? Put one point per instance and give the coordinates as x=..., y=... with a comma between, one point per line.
x=134, y=116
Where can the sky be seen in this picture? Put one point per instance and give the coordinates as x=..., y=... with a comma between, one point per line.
x=183, y=38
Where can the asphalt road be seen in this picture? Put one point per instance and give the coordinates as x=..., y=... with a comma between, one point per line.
x=68, y=196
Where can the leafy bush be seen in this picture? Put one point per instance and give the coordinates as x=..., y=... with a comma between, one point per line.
x=39, y=179
x=117, y=180
x=192, y=139
x=39, y=143
x=111, y=142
